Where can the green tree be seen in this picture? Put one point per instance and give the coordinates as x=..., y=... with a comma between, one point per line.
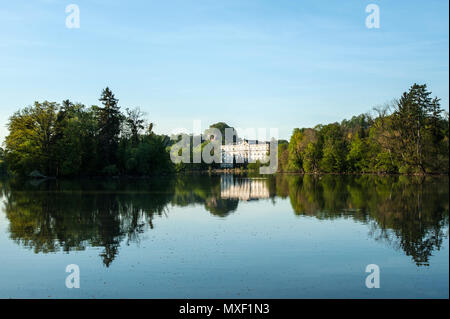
x=109, y=123
x=358, y=155
x=3, y=163
x=383, y=143
x=283, y=157
x=312, y=156
x=31, y=140
x=76, y=148
x=135, y=123
x=222, y=126
x=334, y=149
x=295, y=150
x=409, y=121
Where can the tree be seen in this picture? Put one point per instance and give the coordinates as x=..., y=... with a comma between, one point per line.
x=77, y=150
x=222, y=126
x=383, y=143
x=135, y=123
x=416, y=115
x=312, y=156
x=283, y=156
x=31, y=140
x=109, y=122
x=334, y=149
x=409, y=136
x=3, y=164
x=295, y=161
x=358, y=155
x=357, y=125
x=437, y=138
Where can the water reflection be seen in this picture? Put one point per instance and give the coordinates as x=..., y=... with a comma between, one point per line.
x=409, y=214
x=243, y=189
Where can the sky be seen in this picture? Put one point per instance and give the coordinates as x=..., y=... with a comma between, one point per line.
x=250, y=63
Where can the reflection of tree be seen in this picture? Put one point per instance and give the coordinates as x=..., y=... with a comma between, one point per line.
x=72, y=215
x=407, y=212
x=221, y=207
x=205, y=190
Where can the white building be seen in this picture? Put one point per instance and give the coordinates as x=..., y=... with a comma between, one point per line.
x=244, y=151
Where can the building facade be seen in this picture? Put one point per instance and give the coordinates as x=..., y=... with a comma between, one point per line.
x=244, y=151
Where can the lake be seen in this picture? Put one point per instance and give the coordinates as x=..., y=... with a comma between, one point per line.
x=226, y=236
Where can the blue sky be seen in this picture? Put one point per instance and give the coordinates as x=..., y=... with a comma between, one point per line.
x=255, y=63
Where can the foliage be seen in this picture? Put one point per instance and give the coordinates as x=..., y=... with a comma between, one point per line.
x=221, y=126
x=72, y=140
x=409, y=136
x=3, y=166
x=31, y=142
x=109, y=122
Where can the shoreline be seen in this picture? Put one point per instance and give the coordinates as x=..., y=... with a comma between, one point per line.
x=218, y=172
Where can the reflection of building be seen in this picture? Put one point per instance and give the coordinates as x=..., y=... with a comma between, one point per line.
x=243, y=189
x=245, y=151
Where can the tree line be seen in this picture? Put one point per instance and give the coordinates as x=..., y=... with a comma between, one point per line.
x=71, y=139
x=409, y=136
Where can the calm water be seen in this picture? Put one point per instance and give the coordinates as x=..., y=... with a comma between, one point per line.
x=226, y=236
